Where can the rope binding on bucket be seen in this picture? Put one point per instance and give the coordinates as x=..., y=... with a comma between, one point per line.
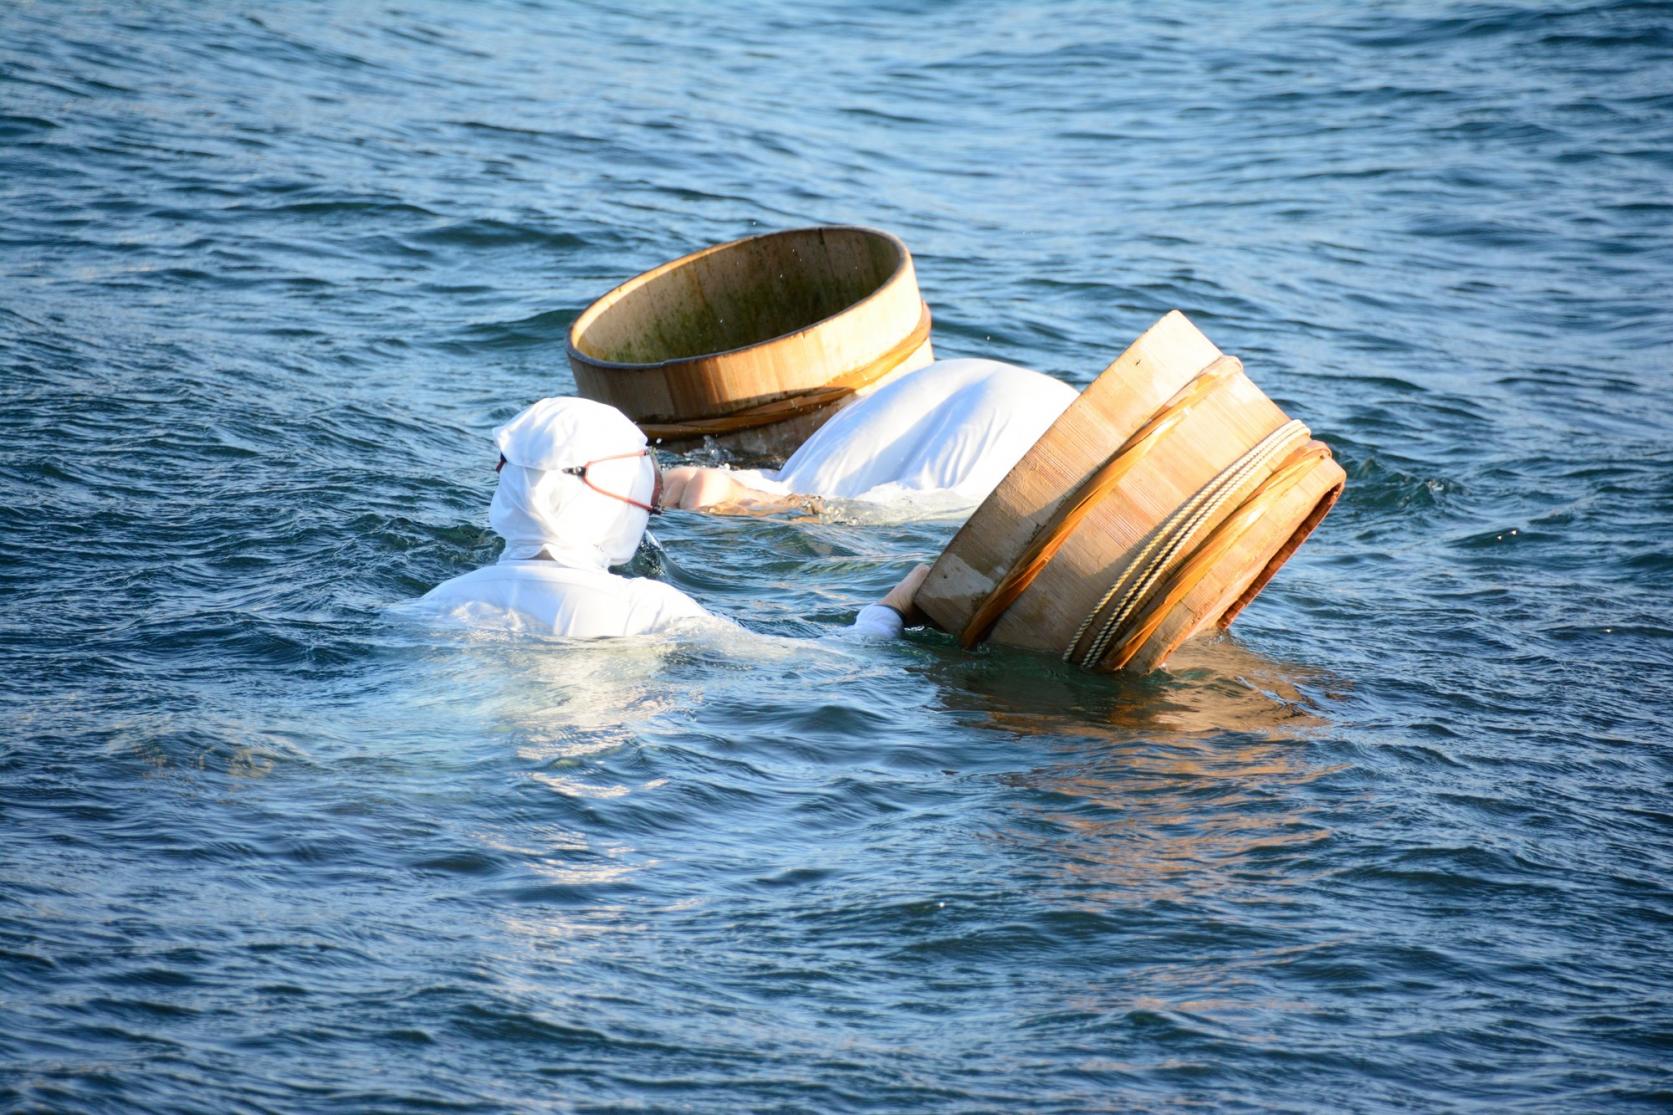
x=1142, y=572
x=1123, y=643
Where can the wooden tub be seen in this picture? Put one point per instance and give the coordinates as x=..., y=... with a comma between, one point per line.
x=1155, y=507
x=756, y=342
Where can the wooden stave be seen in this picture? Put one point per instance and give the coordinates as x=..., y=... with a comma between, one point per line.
x=1119, y=402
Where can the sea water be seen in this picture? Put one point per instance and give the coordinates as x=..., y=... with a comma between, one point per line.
x=271, y=274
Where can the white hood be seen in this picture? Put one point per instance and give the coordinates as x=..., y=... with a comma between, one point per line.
x=537, y=507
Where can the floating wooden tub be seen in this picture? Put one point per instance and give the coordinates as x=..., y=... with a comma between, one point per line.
x=1156, y=506
x=756, y=342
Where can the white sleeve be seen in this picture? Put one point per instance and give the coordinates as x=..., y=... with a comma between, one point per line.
x=878, y=621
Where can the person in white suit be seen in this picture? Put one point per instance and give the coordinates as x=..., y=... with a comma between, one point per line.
x=577, y=486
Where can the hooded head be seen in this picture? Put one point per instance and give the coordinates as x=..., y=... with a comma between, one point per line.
x=540, y=508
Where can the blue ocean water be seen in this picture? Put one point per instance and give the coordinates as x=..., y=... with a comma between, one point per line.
x=269, y=275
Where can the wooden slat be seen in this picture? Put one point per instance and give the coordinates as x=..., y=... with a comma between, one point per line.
x=1214, y=432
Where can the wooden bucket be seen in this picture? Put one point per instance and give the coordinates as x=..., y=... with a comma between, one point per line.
x=756, y=342
x=1157, y=505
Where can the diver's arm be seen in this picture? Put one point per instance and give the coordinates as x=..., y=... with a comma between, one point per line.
x=896, y=611
x=713, y=490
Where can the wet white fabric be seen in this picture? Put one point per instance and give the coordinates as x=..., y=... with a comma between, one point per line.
x=539, y=508
x=561, y=536
x=543, y=597
x=955, y=427
x=878, y=621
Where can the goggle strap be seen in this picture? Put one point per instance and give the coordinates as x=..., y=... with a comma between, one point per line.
x=581, y=471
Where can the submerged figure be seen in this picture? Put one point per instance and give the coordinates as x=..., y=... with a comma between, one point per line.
x=951, y=430
x=577, y=486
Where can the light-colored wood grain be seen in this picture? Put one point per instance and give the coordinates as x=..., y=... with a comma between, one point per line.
x=1223, y=417
x=753, y=322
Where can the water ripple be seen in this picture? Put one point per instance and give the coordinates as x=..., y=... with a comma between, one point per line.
x=268, y=281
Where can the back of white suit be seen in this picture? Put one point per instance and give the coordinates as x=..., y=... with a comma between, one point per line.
x=542, y=597
x=565, y=522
